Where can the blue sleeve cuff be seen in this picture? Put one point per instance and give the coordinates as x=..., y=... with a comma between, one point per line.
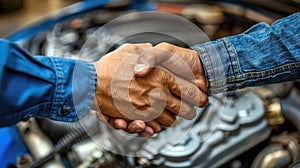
x=40, y=86
x=261, y=55
x=220, y=65
x=227, y=69
x=237, y=62
x=74, y=91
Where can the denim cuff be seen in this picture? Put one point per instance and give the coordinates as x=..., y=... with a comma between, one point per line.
x=74, y=91
x=220, y=64
x=84, y=87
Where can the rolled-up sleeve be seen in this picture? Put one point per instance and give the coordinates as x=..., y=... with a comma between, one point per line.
x=41, y=86
x=261, y=55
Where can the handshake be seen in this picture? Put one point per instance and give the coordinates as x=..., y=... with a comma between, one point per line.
x=142, y=87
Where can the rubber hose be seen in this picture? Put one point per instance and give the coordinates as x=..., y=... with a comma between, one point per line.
x=295, y=164
x=62, y=145
x=75, y=132
x=69, y=139
x=56, y=129
x=291, y=113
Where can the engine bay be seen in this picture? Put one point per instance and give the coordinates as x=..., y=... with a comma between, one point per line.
x=251, y=128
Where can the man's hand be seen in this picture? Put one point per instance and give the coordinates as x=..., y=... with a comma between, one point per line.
x=116, y=95
x=169, y=56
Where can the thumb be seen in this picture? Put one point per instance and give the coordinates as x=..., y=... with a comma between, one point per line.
x=142, y=68
x=148, y=59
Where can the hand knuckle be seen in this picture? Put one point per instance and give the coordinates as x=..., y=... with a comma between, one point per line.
x=164, y=45
x=173, y=107
x=125, y=45
x=191, y=92
x=184, y=109
x=203, y=100
x=148, y=44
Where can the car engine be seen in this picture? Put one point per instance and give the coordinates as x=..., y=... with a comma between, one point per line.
x=256, y=127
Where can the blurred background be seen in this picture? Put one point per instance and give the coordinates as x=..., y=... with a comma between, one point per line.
x=15, y=14
x=257, y=127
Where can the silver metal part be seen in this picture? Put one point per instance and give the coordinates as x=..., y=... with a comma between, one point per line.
x=227, y=131
x=89, y=153
x=283, y=151
x=38, y=143
x=84, y=149
x=99, y=159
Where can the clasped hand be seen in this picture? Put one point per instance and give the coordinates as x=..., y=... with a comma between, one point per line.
x=137, y=92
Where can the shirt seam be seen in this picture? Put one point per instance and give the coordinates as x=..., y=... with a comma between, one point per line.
x=59, y=89
x=33, y=111
x=273, y=71
x=235, y=64
x=237, y=80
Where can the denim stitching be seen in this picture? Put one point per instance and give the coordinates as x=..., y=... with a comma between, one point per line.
x=234, y=63
x=58, y=94
x=271, y=72
x=246, y=76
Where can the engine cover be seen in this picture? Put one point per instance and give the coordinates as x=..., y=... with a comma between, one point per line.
x=229, y=128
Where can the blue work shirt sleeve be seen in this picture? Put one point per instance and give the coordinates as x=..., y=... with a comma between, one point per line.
x=40, y=86
x=261, y=55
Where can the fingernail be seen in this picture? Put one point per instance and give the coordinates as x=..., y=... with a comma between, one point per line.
x=136, y=128
x=147, y=135
x=139, y=67
x=116, y=126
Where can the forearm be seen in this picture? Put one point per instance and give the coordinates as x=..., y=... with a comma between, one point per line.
x=262, y=55
x=57, y=88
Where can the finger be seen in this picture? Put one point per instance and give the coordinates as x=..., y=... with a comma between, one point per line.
x=154, y=125
x=200, y=81
x=147, y=133
x=180, y=107
x=118, y=123
x=166, y=118
x=188, y=91
x=132, y=48
x=148, y=59
x=136, y=126
x=183, y=62
x=170, y=56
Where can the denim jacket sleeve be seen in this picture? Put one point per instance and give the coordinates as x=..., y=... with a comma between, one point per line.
x=261, y=55
x=39, y=86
